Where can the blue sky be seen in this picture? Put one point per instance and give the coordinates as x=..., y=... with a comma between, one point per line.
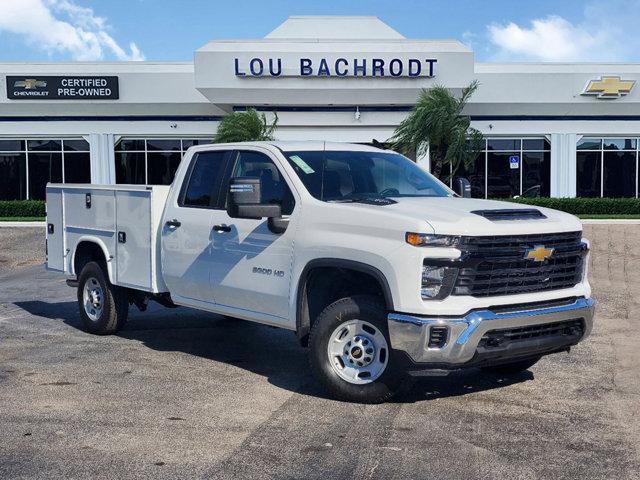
x=55, y=30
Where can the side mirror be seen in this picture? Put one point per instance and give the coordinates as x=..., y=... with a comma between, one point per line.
x=462, y=187
x=244, y=200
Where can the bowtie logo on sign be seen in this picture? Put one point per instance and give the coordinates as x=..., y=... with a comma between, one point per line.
x=339, y=67
x=609, y=87
x=29, y=84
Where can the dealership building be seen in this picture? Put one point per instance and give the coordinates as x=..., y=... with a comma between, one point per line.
x=551, y=129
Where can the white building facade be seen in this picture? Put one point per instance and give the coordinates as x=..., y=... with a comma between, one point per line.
x=560, y=130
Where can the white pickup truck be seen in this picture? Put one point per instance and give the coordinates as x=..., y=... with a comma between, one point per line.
x=378, y=267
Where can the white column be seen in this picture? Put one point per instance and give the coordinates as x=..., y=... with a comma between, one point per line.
x=563, y=164
x=103, y=165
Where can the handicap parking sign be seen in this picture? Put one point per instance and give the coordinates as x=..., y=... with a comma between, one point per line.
x=514, y=162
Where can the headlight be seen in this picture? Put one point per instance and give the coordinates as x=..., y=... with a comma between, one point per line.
x=427, y=240
x=432, y=279
x=585, y=259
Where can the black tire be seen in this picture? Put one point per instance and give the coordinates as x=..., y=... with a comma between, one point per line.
x=512, y=368
x=359, y=307
x=115, y=303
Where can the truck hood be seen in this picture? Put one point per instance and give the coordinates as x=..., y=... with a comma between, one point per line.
x=452, y=216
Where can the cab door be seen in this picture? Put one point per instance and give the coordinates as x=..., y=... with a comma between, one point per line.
x=251, y=264
x=187, y=239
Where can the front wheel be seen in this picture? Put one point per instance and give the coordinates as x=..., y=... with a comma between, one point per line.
x=350, y=351
x=103, y=307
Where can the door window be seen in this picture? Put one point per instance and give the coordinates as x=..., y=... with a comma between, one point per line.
x=204, y=179
x=274, y=187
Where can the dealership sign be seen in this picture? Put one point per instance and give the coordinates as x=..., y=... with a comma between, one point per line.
x=337, y=67
x=62, y=88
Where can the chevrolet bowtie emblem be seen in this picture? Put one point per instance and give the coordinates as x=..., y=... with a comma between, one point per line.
x=609, y=87
x=30, y=84
x=538, y=253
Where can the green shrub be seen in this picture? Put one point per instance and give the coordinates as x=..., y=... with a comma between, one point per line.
x=585, y=206
x=22, y=208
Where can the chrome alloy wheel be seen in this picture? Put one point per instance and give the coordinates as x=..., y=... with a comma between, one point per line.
x=93, y=299
x=358, y=352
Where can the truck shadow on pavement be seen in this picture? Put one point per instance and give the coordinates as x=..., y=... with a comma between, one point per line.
x=250, y=346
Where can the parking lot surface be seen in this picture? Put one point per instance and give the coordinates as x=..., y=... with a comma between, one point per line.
x=184, y=394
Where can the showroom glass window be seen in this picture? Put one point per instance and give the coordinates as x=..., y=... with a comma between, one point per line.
x=507, y=167
x=149, y=161
x=607, y=167
x=27, y=165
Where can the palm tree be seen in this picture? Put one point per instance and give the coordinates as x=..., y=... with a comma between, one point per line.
x=246, y=126
x=437, y=123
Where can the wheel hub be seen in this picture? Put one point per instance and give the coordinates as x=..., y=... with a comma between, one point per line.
x=358, y=352
x=96, y=297
x=92, y=297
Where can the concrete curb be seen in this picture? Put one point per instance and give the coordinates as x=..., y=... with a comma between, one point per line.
x=23, y=224
x=610, y=222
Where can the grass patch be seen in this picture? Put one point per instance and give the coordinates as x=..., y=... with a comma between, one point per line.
x=22, y=219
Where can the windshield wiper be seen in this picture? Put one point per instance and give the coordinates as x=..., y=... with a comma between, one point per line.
x=354, y=198
x=369, y=199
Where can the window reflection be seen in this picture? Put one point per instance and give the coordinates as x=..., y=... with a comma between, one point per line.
x=588, y=174
x=27, y=165
x=151, y=161
x=13, y=176
x=503, y=179
x=507, y=167
x=607, y=167
x=619, y=174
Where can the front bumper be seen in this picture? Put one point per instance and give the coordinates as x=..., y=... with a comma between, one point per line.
x=465, y=345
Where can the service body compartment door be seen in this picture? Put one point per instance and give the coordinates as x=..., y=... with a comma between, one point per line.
x=89, y=215
x=55, y=229
x=133, y=236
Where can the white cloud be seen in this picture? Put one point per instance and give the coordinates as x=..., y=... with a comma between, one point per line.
x=549, y=39
x=64, y=27
x=596, y=36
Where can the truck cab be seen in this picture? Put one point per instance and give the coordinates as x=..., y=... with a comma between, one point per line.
x=378, y=267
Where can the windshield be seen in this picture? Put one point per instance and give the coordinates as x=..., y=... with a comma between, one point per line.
x=352, y=176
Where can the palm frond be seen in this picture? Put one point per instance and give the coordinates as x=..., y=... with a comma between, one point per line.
x=437, y=122
x=245, y=127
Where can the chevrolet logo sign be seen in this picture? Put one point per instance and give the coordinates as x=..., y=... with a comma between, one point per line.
x=609, y=87
x=30, y=84
x=538, y=253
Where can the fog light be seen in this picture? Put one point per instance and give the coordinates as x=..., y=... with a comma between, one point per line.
x=438, y=337
x=432, y=278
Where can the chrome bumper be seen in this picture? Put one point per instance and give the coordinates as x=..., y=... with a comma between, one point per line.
x=410, y=333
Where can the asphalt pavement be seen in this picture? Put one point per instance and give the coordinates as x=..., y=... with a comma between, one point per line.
x=184, y=394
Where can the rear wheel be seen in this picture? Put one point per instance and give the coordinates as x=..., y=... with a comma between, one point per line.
x=512, y=368
x=103, y=307
x=350, y=351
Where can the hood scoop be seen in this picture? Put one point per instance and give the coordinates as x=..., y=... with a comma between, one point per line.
x=510, y=214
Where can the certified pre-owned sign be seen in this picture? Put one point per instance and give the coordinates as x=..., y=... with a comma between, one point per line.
x=62, y=88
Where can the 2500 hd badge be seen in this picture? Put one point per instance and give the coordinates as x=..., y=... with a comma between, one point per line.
x=268, y=271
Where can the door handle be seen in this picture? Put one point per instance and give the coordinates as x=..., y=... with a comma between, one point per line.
x=222, y=228
x=173, y=223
